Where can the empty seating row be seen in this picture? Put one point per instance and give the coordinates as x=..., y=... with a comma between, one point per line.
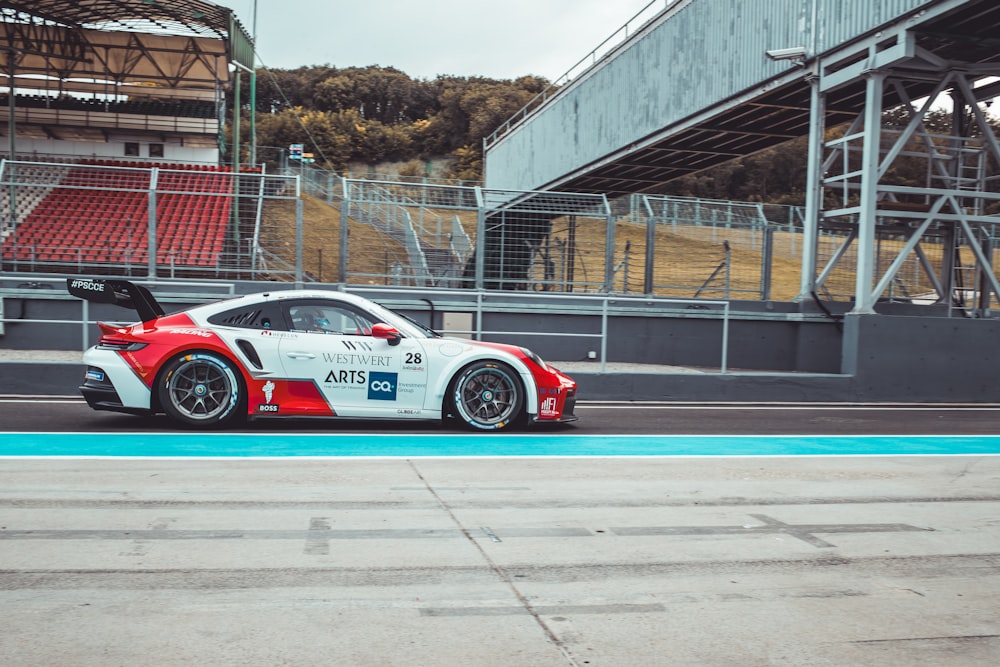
x=94, y=217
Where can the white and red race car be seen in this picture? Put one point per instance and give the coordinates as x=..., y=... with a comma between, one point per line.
x=307, y=354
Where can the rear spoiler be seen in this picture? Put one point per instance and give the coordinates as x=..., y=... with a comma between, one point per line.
x=118, y=292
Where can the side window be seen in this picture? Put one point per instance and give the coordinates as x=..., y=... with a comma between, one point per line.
x=258, y=316
x=327, y=317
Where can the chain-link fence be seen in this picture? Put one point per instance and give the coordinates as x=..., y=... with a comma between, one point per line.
x=199, y=222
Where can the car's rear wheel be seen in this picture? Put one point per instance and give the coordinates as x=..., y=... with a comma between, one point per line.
x=488, y=396
x=201, y=389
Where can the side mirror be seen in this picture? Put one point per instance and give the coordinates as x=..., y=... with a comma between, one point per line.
x=390, y=334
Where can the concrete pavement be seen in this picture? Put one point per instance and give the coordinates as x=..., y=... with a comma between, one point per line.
x=548, y=562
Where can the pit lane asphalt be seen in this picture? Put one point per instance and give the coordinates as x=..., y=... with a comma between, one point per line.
x=71, y=414
x=721, y=561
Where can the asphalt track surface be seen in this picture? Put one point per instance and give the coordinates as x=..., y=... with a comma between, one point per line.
x=723, y=560
x=69, y=414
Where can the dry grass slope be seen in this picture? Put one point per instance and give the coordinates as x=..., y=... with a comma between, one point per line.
x=684, y=262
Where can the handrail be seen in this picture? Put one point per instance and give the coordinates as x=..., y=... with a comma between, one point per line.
x=602, y=303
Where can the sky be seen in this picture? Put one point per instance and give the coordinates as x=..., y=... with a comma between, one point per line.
x=427, y=38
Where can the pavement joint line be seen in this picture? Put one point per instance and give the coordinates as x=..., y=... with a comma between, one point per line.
x=499, y=571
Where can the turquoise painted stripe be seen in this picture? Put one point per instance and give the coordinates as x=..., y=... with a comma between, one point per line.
x=473, y=444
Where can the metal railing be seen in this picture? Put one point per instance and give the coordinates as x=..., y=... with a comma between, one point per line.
x=599, y=310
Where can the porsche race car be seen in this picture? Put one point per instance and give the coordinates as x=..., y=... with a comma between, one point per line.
x=307, y=353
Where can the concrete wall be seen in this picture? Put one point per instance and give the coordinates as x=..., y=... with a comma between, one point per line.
x=925, y=359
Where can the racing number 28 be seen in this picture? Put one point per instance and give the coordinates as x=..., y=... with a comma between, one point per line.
x=413, y=358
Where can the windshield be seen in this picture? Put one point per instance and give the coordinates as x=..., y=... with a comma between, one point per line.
x=405, y=324
x=430, y=333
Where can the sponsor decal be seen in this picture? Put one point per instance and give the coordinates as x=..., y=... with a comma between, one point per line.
x=382, y=386
x=204, y=333
x=269, y=407
x=407, y=411
x=95, y=375
x=548, y=408
x=277, y=334
x=344, y=376
x=137, y=365
x=357, y=359
x=88, y=285
x=409, y=387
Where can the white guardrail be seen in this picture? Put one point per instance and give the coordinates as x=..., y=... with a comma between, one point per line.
x=600, y=305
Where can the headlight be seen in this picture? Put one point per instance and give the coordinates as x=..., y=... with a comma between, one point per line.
x=534, y=357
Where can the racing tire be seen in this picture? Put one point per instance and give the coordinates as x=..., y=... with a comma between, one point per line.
x=201, y=389
x=487, y=396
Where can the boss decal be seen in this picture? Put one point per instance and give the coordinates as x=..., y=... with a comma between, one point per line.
x=382, y=386
x=272, y=408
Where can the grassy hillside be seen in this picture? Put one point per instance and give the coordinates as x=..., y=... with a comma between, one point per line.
x=686, y=258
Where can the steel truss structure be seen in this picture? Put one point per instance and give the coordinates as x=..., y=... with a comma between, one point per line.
x=948, y=216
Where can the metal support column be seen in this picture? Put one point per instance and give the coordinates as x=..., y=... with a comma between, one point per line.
x=864, y=297
x=814, y=189
x=154, y=178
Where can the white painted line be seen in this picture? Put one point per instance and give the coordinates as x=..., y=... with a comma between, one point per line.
x=799, y=406
x=45, y=401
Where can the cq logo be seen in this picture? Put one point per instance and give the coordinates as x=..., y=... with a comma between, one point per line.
x=382, y=386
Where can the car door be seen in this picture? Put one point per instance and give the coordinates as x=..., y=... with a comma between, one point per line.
x=358, y=374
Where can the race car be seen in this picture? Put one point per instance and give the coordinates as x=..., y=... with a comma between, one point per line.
x=307, y=353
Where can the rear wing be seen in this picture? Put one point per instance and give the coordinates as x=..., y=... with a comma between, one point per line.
x=118, y=292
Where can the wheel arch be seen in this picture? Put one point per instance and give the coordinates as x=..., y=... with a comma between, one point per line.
x=448, y=375
x=241, y=372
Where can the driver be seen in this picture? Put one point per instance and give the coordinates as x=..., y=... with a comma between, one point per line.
x=311, y=319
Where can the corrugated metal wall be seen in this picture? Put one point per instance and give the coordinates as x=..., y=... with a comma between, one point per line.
x=694, y=55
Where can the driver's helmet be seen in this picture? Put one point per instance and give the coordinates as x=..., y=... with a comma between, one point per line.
x=310, y=319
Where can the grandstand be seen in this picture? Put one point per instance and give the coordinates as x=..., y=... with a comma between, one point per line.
x=97, y=215
x=113, y=113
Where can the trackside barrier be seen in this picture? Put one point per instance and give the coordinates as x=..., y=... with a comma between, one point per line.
x=599, y=304
x=483, y=303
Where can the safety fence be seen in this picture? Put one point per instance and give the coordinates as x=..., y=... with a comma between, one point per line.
x=198, y=222
x=593, y=321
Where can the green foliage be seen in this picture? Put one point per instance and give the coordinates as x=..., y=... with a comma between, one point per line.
x=373, y=114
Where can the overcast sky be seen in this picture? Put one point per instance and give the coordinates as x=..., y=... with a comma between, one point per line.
x=426, y=38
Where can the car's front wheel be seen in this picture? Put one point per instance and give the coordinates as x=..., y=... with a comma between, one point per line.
x=487, y=395
x=200, y=389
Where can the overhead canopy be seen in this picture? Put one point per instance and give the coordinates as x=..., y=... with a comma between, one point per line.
x=175, y=44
